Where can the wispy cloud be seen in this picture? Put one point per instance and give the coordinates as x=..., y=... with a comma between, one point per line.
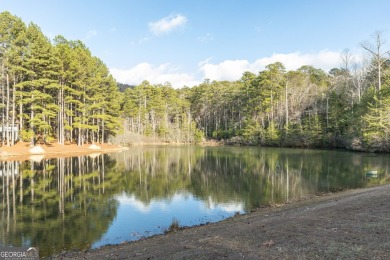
x=140, y=41
x=208, y=37
x=90, y=34
x=167, y=24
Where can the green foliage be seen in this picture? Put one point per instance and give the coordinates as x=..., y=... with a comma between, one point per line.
x=253, y=132
x=302, y=108
x=26, y=135
x=376, y=123
x=61, y=89
x=272, y=134
x=159, y=112
x=222, y=134
x=198, y=136
x=312, y=130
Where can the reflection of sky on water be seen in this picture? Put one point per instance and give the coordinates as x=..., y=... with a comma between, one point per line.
x=108, y=199
x=136, y=219
x=10, y=169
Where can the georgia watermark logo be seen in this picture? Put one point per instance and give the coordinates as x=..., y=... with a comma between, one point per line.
x=19, y=253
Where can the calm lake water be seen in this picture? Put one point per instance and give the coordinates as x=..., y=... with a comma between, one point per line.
x=90, y=201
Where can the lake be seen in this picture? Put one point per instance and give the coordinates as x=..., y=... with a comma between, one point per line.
x=89, y=201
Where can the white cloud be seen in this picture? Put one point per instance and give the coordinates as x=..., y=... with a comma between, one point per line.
x=126, y=200
x=230, y=70
x=154, y=74
x=233, y=69
x=226, y=70
x=324, y=59
x=167, y=24
x=228, y=207
x=203, y=62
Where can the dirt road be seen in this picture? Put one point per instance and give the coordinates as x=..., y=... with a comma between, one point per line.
x=348, y=225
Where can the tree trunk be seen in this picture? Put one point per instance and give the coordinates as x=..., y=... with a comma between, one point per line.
x=3, y=109
x=61, y=114
x=13, y=112
x=139, y=118
x=7, y=114
x=21, y=113
x=31, y=120
x=70, y=119
x=103, y=127
x=287, y=119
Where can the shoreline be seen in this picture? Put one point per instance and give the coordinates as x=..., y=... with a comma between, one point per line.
x=24, y=151
x=352, y=224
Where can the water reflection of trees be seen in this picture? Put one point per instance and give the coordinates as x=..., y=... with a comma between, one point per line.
x=56, y=204
x=153, y=173
x=69, y=202
x=253, y=176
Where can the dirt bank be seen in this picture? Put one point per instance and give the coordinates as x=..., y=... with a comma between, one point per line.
x=23, y=151
x=348, y=225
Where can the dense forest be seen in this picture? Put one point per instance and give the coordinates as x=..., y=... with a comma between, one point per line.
x=57, y=89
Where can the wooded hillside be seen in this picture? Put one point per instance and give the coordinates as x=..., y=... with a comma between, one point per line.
x=59, y=90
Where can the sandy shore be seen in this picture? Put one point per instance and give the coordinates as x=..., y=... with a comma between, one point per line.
x=349, y=225
x=23, y=151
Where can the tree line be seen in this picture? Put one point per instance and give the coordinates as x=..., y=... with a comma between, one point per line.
x=57, y=89
x=347, y=107
x=53, y=90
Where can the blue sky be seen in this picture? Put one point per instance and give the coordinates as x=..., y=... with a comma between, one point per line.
x=185, y=41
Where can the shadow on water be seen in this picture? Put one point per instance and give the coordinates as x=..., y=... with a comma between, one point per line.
x=89, y=201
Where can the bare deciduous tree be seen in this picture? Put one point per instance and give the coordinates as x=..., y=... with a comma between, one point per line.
x=376, y=50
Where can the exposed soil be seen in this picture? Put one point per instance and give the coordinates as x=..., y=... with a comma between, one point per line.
x=353, y=224
x=22, y=151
